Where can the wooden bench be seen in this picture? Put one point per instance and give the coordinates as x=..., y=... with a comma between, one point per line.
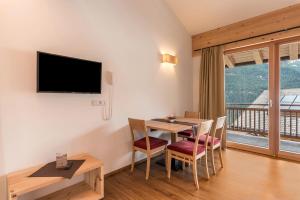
x=92, y=188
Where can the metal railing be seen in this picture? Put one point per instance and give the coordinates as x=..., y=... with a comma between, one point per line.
x=254, y=119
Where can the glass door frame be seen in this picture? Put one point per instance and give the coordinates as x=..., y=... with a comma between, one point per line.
x=279, y=153
x=271, y=77
x=274, y=100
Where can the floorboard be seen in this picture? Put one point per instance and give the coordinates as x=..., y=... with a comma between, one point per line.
x=245, y=176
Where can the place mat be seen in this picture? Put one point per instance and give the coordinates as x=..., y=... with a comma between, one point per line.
x=176, y=122
x=49, y=170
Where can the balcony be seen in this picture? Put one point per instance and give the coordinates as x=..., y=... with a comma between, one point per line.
x=249, y=124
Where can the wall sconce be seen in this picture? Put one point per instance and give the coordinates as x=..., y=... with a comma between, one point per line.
x=167, y=58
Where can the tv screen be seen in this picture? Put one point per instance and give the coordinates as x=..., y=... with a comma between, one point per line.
x=63, y=74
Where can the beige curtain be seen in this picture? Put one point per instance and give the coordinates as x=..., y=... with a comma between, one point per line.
x=211, y=88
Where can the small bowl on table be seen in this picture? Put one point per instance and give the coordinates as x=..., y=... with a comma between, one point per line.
x=172, y=119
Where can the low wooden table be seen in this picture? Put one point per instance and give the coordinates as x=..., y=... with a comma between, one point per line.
x=91, y=189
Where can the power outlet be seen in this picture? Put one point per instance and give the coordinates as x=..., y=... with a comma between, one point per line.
x=98, y=102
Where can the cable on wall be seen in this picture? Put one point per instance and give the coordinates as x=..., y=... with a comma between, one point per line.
x=107, y=109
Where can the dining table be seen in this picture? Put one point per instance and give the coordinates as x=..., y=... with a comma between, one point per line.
x=173, y=127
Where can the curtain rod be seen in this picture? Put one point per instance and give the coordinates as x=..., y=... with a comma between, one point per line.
x=279, y=31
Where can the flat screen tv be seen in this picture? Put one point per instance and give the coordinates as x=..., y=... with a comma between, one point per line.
x=61, y=74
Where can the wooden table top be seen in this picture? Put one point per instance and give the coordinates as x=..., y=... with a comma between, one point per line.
x=173, y=127
x=19, y=183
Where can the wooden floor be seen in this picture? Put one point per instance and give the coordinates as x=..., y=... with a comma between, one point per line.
x=245, y=177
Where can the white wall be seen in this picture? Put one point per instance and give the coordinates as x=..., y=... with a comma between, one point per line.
x=126, y=36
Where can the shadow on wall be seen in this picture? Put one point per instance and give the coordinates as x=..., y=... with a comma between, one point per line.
x=111, y=146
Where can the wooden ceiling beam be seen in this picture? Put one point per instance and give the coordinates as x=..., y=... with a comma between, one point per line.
x=293, y=51
x=258, y=57
x=270, y=23
x=229, y=61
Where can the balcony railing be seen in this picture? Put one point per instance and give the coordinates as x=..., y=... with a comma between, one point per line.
x=254, y=119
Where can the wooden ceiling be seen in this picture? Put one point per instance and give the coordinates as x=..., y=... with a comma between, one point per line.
x=275, y=25
x=258, y=56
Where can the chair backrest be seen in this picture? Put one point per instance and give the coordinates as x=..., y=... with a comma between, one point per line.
x=204, y=128
x=191, y=114
x=138, y=126
x=218, y=128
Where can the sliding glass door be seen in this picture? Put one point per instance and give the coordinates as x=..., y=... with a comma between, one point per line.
x=262, y=88
x=247, y=79
x=289, y=126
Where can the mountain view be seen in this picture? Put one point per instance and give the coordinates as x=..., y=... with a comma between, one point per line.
x=244, y=84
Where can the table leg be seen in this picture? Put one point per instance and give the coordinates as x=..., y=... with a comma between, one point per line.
x=173, y=137
x=175, y=164
x=95, y=179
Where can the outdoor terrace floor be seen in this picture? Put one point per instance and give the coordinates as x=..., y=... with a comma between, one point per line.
x=285, y=145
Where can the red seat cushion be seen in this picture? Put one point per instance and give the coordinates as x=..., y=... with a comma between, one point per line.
x=202, y=139
x=186, y=147
x=186, y=133
x=154, y=143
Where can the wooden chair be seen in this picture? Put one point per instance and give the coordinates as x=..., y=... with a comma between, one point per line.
x=147, y=145
x=189, y=133
x=215, y=140
x=190, y=152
